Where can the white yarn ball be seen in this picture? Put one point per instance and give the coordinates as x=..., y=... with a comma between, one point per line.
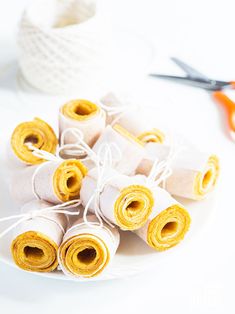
x=63, y=46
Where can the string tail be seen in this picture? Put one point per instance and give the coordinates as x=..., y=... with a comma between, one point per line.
x=59, y=209
x=40, y=153
x=79, y=148
x=105, y=158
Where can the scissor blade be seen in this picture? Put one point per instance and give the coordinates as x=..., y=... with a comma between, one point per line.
x=191, y=72
x=209, y=85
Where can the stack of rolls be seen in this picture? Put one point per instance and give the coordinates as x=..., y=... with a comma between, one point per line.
x=123, y=176
x=194, y=173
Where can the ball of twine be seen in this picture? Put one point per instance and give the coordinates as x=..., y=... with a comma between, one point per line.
x=63, y=46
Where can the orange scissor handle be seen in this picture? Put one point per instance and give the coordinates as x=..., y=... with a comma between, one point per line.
x=228, y=105
x=232, y=85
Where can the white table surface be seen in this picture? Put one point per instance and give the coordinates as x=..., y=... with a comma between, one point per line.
x=201, y=279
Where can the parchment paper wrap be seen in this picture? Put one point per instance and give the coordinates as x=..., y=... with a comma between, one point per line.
x=87, y=250
x=84, y=116
x=36, y=241
x=132, y=150
x=133, y=118
x=167, y=224
x=36, y=132
x=52, y=181
x=194, y=173
x=124, y=201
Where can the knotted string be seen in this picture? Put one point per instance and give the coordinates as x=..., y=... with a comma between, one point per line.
x=118, y=111
x=82, y=147
x=40, y=153
x=162, y=170
x=56, y=209
x=159, y=173
x=105, y=154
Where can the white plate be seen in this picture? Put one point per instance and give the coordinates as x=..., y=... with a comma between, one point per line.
x=133, y=256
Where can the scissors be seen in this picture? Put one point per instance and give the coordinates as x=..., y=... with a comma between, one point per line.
x=197, y=79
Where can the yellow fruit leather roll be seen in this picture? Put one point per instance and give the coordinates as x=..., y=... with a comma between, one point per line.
x=83, y=115
x=167, y=224
x=125, y=201
x=152, y=136
x=133, y=118
x=36, y=241
x=37, y=133
x=127, y=151
x=194, y=174
x=87, y=250
x=52, y=181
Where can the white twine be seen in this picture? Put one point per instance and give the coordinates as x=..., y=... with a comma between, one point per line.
x=56, y=209
x=103, y=161
x=118, y=111
x=70, y=54
x=159, y=173
x=82, y=149
x=40, y=153
x=79, y=148
x=43, y=155
x=105, y=154
x=102, y=181
x=162, y=170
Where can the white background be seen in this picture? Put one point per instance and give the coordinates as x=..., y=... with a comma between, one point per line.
x=200, y=279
